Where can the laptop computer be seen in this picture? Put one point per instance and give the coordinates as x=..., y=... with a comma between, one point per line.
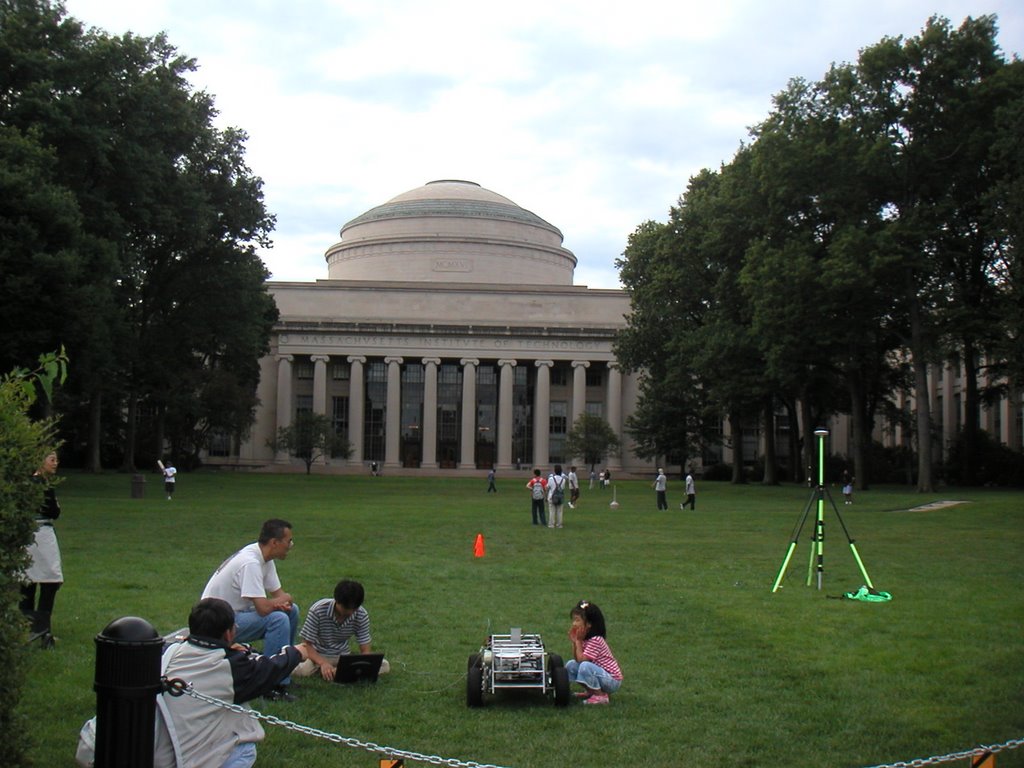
x=358, y=667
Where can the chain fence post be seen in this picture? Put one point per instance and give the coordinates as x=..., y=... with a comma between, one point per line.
x=127, y=680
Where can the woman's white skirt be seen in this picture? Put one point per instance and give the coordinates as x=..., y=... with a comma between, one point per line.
x=45, y=558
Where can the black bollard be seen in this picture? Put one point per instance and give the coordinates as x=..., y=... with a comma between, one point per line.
x=127, y=681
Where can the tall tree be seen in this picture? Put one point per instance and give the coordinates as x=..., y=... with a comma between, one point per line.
x=171, y=290
x=311, y=437
x=592, y=439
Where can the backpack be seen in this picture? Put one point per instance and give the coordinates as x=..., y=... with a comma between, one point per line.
x=538, y=489
x=558, y=496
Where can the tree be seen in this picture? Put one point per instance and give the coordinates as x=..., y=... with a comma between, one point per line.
x=158, y=292
x=311, y=437
x=23, y=444
x=591, y=438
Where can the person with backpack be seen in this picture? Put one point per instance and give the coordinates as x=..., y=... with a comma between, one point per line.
x=557, y=486
x=538, y=491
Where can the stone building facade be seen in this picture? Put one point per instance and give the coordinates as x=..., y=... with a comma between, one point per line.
x=448, y=336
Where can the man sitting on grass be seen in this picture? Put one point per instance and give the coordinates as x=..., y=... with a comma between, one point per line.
x=248, y=582
x=193, y=732
x=330, y=625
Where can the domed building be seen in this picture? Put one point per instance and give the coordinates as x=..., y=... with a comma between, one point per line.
x=448, y=335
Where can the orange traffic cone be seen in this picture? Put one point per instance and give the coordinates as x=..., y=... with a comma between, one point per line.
x=478, y=547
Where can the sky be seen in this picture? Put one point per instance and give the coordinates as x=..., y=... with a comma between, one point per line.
x=591, y=114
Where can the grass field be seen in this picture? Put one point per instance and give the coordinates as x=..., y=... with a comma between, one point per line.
x=718, y=670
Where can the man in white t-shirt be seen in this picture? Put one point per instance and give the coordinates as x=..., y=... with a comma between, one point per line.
x=248, y=582
x=170, y=475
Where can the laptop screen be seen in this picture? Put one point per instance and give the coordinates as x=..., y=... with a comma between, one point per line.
x=358, y=668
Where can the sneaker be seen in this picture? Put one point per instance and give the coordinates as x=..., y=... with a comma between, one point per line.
x=280, y=693
x=597, y=698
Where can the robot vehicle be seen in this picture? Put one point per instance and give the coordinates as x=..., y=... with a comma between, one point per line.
x=515, y=660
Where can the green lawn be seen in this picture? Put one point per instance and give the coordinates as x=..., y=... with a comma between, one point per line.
x=718, y=670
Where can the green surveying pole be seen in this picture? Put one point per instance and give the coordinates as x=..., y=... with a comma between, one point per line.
x=818, y=542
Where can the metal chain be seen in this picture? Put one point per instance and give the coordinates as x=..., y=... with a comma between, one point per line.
x=922, y=761
x=178, y=687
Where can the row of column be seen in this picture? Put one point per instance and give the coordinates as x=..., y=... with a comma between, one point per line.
x=542, y=405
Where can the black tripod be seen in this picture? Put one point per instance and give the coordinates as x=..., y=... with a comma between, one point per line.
x=819, y=494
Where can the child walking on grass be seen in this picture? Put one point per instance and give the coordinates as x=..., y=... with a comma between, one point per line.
x=593, y=666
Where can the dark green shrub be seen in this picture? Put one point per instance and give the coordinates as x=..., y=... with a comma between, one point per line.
x=995, y=464
x=23, y=444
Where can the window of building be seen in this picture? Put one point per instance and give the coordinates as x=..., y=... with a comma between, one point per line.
x=303, y=403
x=595, y=408
x=559, y=418
x=304, y=369
x=341, y=371
x=595, y=376
x=559, y=375
x=375, y=408
x=339, y=420
x=220, y=443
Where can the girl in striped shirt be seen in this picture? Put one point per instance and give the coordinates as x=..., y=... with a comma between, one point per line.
x=593, y=666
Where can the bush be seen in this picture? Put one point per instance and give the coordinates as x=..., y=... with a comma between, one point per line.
x=995, y=464
x=23, y=444
x=720, y=471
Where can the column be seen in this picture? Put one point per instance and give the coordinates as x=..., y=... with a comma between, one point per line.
x=542, y=413
x=284, y=400
x=579, y=390
x=393, y=428
x=429, y=426
x=615, y=412
x=467, y=459
x=356, y=408
x=505, y=384
x=320, y=383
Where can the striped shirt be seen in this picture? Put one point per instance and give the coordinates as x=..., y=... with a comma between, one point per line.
x=331, y=637
x=596, y=649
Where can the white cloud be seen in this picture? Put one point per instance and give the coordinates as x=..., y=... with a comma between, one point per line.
x=591, y=113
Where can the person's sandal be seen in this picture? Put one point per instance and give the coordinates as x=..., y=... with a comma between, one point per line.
x=597, y=698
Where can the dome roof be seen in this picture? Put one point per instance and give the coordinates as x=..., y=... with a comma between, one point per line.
x=450, y=231
x=450, y=197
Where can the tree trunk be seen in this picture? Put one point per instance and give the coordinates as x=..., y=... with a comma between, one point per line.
x=858, y=417
x=128, y=464
x=158, y=437
x=807, y=429
x=736, y=428
x=796, y=467
x=969, y=436
x=921, y=399
x=93, y=461
x=771, y=476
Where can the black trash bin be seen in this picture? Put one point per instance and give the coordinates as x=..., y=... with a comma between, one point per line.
x=138, y=486
x=127, y=681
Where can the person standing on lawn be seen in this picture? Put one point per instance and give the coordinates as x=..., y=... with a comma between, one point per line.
x=538, y=492
x=44, y=567
x=249, y=583
x=691, y=492
x=574, y=487
x=557, y=486
x=660, y=486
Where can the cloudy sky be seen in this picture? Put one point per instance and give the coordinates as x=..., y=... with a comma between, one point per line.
x=593, y=114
